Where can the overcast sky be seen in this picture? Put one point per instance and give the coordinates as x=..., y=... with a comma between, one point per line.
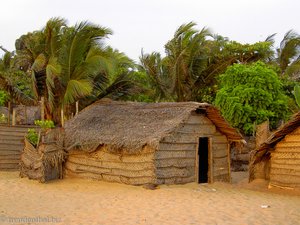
x=149, y=24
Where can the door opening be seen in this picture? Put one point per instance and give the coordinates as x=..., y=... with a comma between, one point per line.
x=203, y=160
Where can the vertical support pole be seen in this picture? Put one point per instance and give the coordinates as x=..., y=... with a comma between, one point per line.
x=211, y=164
x=229, y=163
x=25, y=113
x=77, y=108
x=14, y=117
x=197, y=162
x=42, y=108
x=8, y=116
x=62, y=117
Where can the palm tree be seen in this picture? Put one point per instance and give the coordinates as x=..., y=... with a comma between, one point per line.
x=193, y=61
x=37, y=53
x=158, y=77
x=186, y=59
x=119, y=72
x=63, y=61
x=288, y=55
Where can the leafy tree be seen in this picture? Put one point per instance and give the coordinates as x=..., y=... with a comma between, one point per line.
x=14, y=83
x=251, y=94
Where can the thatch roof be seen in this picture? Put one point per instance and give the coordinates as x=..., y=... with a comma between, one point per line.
x=129, y=126
x=263, y=151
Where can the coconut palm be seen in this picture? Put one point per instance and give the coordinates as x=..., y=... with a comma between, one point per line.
x=63, y=61
x=193, y=61
x=288, y=55
x=115, y=79
x=186, y=59
x=158, y=77
x=37, y=54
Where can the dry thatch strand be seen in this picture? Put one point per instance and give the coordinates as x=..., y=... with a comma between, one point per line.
x=127, y=127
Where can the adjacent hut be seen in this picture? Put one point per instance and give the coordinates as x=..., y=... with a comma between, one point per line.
x=278, y=158
x=44, y=162
x=158, y=143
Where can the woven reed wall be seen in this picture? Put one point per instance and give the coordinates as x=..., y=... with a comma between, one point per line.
x=11, y=145
x=175, y=159
x=102, y=165
x=285, y=161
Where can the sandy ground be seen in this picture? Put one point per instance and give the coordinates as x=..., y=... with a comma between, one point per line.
x=75, y=201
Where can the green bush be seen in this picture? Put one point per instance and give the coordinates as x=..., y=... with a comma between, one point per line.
x=33, y=136
x=44, y=124
x=251, y=94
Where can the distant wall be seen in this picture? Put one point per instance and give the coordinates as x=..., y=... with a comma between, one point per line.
x=27, y=114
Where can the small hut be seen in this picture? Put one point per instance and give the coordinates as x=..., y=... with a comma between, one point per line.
x=158, y=143
x=278, y=158
x=44, y=162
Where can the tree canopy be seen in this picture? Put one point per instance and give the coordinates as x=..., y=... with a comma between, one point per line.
x=64, y=64
x=194, y=59
x=251, y=94
x=71, y=63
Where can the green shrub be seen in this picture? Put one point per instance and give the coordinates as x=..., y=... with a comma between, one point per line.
x=46, y=124
x=33, y=136
x=251, y=94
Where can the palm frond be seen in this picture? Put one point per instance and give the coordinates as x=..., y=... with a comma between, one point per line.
x=14, y=92
x=271, y=38
x=77, y=89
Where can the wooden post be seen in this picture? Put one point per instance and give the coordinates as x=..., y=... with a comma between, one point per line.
x=197, y=162
x=62, y=117
x=8, y=115
x=25, y=113
x=210, y=162
x=229, y=164
x=42, y=108
x=77, y=108
x=14, y=117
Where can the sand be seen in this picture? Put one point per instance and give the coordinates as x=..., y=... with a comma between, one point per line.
x=76, y=201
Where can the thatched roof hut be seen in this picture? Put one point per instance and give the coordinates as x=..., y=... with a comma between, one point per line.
x=278, y=158
x=112, y=134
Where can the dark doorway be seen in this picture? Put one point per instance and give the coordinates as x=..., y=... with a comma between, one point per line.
x=203, y=160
